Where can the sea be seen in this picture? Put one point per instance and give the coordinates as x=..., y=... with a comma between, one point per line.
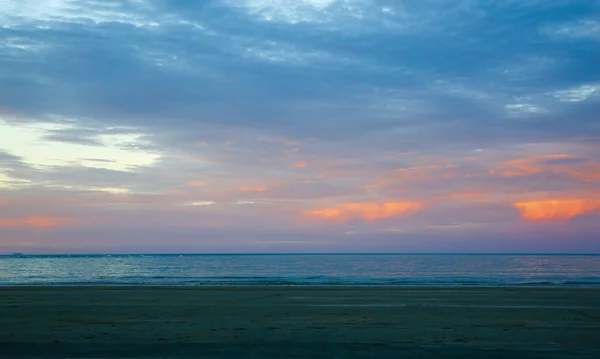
x=301, y=269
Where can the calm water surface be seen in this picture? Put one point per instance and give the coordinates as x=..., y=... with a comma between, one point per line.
x=368, y=269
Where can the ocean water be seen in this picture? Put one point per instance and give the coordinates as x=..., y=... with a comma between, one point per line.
x=362, y=269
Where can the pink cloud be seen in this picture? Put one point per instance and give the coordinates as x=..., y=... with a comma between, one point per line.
x=39, y=222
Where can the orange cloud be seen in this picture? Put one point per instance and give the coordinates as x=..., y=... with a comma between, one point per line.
x=300, y=164
x=589, y=174
x=198, y=184
x=366, y=211
x=39, y=222
x=520, y=167
x=556, y=209
x=253, y=189
x=587, y=171
x=383, y=183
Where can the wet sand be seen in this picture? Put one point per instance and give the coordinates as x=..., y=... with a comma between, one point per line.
x=298, y=322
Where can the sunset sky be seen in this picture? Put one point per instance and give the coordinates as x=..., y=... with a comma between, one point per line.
x=299, y=126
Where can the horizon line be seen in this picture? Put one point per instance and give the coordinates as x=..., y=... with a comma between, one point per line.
x=292, y=253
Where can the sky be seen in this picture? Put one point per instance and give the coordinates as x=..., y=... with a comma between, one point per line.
x=299, y=126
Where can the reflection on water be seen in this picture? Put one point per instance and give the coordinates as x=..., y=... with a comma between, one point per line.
x=302, y=269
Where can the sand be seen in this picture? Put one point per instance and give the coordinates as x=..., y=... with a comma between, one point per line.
x=298, y=322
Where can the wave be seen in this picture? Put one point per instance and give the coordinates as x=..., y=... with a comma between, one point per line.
x=302, y=270
x=292, y=281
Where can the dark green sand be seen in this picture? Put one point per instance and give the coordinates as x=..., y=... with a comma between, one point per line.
x=299, y=322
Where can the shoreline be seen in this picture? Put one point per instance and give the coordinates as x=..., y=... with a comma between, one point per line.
x=298, y=321
x=309, y=287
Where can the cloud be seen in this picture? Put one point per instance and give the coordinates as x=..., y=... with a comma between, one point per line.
x=200, y=203
x=96, y=160
x=39, y=222
x=562, y=160
x=198, y=184
x=365, y=211
x=424, y=172
x=253, y=189
x=582, y=29
x=300, y=164
x=470, y=196
x=48, y=144
x=74, y=140
x=579, y=93
x=577, y=167
x=556, y=209
x=524, y=108
x=324, y=108
x=50, y=12
x=294, y=12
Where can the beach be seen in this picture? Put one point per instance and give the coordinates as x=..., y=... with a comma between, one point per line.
x=298, y=321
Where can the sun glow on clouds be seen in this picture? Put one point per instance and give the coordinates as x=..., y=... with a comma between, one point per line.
x=114, y=152
x=586, y=170
x=199, y=203
x=39, y=222
x=365, y=211
x=253, y=189
x=556, y=209
x=9, y=182
x=101, y=189
x=300, y=164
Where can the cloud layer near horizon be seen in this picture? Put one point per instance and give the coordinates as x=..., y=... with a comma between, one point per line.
x=315, y=125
